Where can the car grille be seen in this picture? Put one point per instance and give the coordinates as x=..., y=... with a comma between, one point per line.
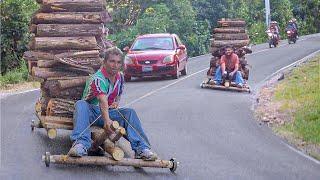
x=147, y=62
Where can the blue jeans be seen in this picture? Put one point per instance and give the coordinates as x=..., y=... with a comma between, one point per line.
x=86, y=113
x=237, y=77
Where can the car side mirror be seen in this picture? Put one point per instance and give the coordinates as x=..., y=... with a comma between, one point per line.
x=126, y=49
x=182, y=47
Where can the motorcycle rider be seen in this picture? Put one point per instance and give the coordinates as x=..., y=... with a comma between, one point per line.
x=294, y=21
x=292, y=26
x=274, y=27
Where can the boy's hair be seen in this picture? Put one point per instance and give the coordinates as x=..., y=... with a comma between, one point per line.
x=113, y=51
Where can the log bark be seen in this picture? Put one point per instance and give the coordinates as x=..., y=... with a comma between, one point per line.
x=74, y=93
x=64, y=43
x=47, y=63
x=45, y=73
x=69, y=83
x=232, y=23
x=72, y=5
x=234, y=43
x=99, y=135
x=63, y=30
x=71, y=18
x=228, y=30
x=116, y=153
x=36, y=55
x=60, y=107
x=239, y=36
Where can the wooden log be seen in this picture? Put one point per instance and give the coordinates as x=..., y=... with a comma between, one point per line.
x=99, y=135
x=234, y=43
x=239, y=36
x=232, y=23
x=116, y=153
x=60, y=107
x=228, y=30
x=72, y=5
x=36, y=55
x=64, y=43
x=74, y=93
x=69, y=83
x=31, y=64
x=62, y=30
x=47, y=63
x=45, y=73
x=71, y=18
x=118, y=134
x=103, y=161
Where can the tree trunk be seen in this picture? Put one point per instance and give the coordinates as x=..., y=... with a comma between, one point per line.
x=234, y=43
x=62, y=30
x=47, y=63
x=69, y=83
x=240, y=36
x=228, y=30
x=71, y=18
x=72, y=5
x=36, y=55
x=64, y=43
x=232, y=23
x=74, y=93
x=60, y=107
x=45, y=73
x=116, y=153
x=90, y=64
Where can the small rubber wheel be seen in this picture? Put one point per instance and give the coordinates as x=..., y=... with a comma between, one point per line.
x=201, y=85
x=47, y=159
x=174, y=165
x=32, y=125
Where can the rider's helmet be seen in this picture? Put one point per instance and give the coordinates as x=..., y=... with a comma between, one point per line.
x=294, y=20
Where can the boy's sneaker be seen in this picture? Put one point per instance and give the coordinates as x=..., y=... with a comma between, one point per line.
x=78, y=150
x=147, y=155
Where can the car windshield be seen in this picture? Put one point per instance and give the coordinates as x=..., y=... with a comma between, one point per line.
x=162, y=43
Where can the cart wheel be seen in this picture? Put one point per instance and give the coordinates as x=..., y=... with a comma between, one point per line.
x=52, y=133
x=174, y=165
x=47, y=159
x=201, y=85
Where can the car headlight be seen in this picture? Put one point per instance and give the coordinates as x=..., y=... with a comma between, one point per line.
x=168, y=59
x=128, y=60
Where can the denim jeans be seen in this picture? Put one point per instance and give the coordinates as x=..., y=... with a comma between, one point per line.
x=237, y=77
x=86, y=113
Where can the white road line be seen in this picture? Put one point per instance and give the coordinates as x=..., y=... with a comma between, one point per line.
x=166, y=86
x=301, y=153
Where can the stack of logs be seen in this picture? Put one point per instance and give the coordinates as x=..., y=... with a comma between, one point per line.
x=230, y=32
x=69, y=37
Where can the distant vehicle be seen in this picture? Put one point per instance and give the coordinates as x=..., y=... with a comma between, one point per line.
x=154, y=55
x=272, y=38
x=292, y=36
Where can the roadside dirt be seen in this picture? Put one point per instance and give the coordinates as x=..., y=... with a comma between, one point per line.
x=268, y=112
x=14, y=88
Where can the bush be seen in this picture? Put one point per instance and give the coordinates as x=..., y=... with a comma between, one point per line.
x=15, y=17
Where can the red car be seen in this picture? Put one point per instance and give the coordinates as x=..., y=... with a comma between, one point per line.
x=156, y=55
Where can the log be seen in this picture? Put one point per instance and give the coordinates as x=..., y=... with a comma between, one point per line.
x=45, y=73
x=99, y=135
x=60, y=107
x=54, y=122
x=63, y=43
x=36, y=55
x=62, y=30
x=234, y=43
x=71, y=18
x=69, y=83
x=74, y=93
x=31, y=64
x=239, y=36
x=116, y=153
x=232, y=23
x=47, y=63
x=228, y=30
x=118, y=134
x=72, y=5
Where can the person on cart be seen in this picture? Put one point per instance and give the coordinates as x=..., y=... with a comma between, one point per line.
x=229, y=68
x=99, y=106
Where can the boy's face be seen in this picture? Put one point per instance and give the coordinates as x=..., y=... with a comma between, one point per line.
x=113, y=64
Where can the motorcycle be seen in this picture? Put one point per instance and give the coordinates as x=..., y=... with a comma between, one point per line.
x=272, y=38
x=292, y=36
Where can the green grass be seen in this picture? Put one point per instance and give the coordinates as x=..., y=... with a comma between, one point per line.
x=14, y=76
x=300, y=96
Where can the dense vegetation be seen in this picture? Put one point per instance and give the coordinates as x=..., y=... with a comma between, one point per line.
x=191, y=20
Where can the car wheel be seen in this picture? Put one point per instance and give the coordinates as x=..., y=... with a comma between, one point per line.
x=184, y=71
x=127, y=78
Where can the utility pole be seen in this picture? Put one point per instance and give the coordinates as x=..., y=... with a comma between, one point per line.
x=268, y=16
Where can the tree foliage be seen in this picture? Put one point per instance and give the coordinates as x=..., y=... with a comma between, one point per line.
x=15, y=17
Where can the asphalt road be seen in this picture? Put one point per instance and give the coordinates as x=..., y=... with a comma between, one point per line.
x=212, y=133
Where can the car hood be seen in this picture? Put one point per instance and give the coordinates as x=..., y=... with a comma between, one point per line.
x=150, y=55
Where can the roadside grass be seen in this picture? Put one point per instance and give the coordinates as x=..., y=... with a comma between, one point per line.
x=299, y=94
x=15, y=76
